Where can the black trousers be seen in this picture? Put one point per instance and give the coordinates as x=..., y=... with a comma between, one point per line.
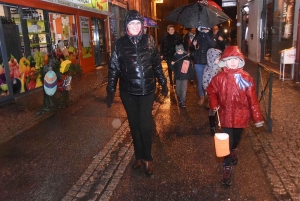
x=234, y=140
x=139, y=113
x=170, y=71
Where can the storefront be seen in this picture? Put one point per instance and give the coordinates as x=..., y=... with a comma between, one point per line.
x=32, y=30
x=279, y=28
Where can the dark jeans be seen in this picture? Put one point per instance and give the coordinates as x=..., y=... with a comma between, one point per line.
x=234, y=140
x=139, y=113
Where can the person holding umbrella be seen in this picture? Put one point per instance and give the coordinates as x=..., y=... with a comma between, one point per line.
x=203, y=15
x=199, y=46
x=136, y=63
x=167, y=49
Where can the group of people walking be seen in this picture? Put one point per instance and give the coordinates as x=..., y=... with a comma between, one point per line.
x=136, y=65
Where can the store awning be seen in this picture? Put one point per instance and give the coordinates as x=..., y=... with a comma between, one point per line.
x=148, y=22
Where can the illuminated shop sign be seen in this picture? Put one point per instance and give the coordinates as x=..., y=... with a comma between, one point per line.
x=228, y=3
x=96, y=6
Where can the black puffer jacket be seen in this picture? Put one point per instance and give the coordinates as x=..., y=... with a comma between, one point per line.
x=136, y=62
x=179, y=58
x=205, y=41
x=168, y=44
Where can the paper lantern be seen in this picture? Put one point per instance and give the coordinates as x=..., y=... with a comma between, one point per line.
x=50, y=83
x=222, y=144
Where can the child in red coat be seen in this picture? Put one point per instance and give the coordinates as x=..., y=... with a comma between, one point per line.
x=232, y=93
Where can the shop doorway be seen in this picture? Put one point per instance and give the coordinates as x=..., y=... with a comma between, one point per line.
x=268, y=23
x=98, y=33
x=244, y=42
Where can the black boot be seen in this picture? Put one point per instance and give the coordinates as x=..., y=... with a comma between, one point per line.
x=212, y=125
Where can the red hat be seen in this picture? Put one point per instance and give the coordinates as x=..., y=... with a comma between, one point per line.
x=231, y=52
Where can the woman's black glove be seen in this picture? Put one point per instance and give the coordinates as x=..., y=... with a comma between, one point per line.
x=110, y=98
x=164, y=90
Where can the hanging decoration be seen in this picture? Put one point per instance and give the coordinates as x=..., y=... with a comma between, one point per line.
x=50, y=83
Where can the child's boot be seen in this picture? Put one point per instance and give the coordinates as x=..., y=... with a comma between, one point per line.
x=227, y=172
x=212, y=125
x=234, y=157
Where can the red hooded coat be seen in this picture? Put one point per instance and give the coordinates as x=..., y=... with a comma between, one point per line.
x=233, y=90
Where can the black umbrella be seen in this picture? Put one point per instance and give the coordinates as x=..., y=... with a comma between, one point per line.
x=197, y=14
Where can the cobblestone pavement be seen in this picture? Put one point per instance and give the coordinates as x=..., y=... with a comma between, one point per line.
x=185, y=166
x=103, y=174
x=101, y=179
x=278, y=152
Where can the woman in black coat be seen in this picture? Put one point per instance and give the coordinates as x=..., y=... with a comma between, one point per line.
x=167, y=49
x=136, y=63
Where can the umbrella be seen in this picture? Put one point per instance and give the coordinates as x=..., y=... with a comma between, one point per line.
x=150, y=23
x=197, y=14
x=212, y=3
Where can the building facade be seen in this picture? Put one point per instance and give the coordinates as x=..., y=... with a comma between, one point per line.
x=267, y=27
x=81, y=31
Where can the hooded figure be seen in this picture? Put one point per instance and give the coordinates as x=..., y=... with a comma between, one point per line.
x=136, y=64
x=201, y=43
x=233, y=91
x=232, y=94
x=211, y=69
x=232, y=52
x=133, y=53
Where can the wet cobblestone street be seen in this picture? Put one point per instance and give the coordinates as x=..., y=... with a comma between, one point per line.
x=85, y=151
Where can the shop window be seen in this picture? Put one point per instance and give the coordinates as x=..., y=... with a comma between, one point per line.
x=280, y=28
x=10, y=52
x=99, y=41
x=36, y=30
x=11, y=29
x=64, y=36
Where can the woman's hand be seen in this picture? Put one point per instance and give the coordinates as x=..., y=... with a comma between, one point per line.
x=195, y=42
